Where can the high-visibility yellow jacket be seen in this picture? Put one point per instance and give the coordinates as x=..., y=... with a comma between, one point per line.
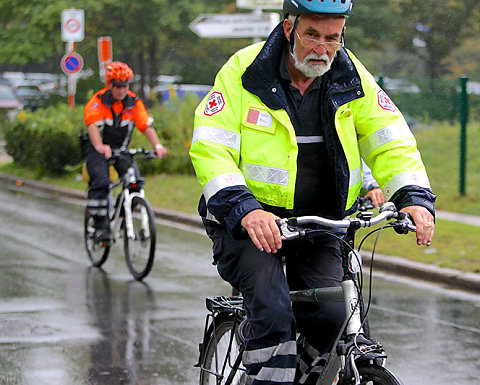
x=244, y=148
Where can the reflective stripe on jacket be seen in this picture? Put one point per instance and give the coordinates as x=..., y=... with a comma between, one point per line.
x=244, y=140
x=132, y=112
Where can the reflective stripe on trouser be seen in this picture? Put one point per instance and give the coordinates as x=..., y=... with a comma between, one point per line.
x=98, y=206
x=270, y=349
x=270, y=354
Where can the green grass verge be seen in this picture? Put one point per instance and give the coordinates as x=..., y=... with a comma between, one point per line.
x=455, y=246
x=440, y=149
x=174, y=192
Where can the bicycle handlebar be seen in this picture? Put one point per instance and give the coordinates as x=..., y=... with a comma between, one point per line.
x=291, y=228
x=149, y=154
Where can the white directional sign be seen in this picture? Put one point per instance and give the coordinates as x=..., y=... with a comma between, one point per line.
x=73, y=25
x=262, y=4
x=235, y=25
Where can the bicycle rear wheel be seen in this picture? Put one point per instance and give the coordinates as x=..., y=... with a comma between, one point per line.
x=222, y=355
x=140, y=250
x=97, y=252
x=377, y=375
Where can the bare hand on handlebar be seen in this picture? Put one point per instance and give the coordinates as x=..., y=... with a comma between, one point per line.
x=263, y=230
x=423, y=221
x=105, y=150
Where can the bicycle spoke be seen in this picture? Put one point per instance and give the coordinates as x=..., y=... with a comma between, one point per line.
x=98, y=253
x=140, y=245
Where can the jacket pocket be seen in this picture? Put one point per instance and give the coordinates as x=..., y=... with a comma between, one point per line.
x=258, y=118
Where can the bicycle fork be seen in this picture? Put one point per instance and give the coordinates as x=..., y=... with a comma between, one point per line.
x=127, y=206
x=356, y=348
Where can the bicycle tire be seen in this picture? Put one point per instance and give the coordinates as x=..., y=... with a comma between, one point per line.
x=97, y=253
x=377, y=375
x=140, y=251
x=215, y=356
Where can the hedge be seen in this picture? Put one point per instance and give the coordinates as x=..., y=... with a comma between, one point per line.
x=47, y=140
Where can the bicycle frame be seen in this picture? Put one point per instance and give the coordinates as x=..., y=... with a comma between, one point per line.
x=353, y=347
x=124, y=200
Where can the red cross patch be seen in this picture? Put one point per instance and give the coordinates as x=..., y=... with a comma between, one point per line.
x=215, y=103
x=385, y=102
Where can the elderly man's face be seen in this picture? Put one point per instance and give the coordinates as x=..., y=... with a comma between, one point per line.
x=317, y=39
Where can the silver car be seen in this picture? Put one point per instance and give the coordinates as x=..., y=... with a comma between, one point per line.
x=9, y=103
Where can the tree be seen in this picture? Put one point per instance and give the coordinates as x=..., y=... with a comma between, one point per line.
x=151, y=35
x=29, y=30
x=439, y=25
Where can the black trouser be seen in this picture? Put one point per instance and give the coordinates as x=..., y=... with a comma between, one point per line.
x=270, y=348
x=98, y=170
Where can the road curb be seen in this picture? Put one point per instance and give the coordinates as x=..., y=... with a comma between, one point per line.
x=448, y=278
x=19, y=182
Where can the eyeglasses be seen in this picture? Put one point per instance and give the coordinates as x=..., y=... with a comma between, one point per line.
x=309, y=43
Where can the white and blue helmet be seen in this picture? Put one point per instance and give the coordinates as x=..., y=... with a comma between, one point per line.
x=302, y=7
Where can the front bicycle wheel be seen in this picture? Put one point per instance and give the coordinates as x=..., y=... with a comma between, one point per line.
x=377, y=375
x=97, y=252
x=222, y=357
x=140, y=247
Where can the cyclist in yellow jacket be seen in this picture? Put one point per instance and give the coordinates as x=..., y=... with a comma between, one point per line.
x=282, y=133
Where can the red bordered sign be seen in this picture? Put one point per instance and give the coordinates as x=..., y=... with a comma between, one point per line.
x=71, y=63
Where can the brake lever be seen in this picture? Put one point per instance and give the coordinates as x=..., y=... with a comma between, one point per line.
x=404, y=223
x=289, y=232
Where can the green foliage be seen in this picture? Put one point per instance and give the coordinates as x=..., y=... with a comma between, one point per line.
x=441, y=104
x=173, y=122
x=45, y=140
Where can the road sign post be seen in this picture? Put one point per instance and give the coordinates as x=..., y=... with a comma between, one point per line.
x=104, y=44
x=73, y=21
x=260, y=4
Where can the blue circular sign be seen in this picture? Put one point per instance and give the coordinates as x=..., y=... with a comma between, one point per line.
x=71, y=63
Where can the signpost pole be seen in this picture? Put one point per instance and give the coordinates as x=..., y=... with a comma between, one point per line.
x=257, y=11
x=71, y=78
x=71, y=63
x=104, y=45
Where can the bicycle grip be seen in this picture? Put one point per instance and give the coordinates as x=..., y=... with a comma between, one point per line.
x=242, y=233
x=405, y=223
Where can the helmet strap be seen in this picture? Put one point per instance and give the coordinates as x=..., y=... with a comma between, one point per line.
x=291, y=43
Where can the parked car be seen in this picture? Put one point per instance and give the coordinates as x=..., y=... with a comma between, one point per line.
x=166, y=92
x=9, y=103
x=30, y=95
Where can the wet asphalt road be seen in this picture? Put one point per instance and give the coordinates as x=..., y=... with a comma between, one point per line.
x=64, y=322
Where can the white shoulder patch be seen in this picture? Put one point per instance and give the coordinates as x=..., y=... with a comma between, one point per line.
x=215, y=103
x=385, y=102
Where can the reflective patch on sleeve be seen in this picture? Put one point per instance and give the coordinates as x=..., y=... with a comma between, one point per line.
x=405, y=179
x=385, y=102
x=215, y=104
x=386, y=134
x=221, y=182
x=217, y=135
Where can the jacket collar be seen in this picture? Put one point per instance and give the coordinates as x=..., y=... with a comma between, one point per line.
x=107, y=100
x=262, y=76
